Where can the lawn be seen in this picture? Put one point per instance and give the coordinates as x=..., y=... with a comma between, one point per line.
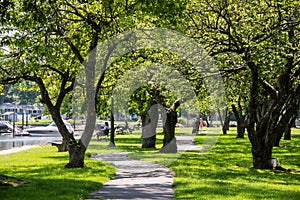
x=224, y=171
x=40, y=174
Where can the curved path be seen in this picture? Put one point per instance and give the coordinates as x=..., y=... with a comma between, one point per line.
x=137, y=179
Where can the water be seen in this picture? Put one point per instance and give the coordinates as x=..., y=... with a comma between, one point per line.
x=9, y=142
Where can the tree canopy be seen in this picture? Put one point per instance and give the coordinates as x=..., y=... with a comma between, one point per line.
x=255, y=45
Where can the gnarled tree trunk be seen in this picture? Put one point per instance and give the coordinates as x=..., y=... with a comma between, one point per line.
x=149, y=124
x=76, y=155
x=269, y=115
x=170, y=120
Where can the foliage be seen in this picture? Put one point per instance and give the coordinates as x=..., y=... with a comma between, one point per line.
x=257, y=40
x=236, y=32
x=23, y=92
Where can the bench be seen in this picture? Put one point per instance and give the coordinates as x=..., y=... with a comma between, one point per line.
x=101, y=136
x=120, y=129
x=60, y=146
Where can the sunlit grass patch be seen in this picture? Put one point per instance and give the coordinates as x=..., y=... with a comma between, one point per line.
x=42, y=170
x=226, y=172
x=222, y=172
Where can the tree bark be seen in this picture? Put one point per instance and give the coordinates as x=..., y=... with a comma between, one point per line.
x=148, y=134
x=76, y=155
x=287, y=134
x=196, y=126
x=224, y=122
x=287, y=131
x=77, y=149
x=241, y=124
x=170, y=120
x=262, y=144
x=262, y=155
x=269, y=115
x=149, y=124
x=225, y=126
x=207, y=122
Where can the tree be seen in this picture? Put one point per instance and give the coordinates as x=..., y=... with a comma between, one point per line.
x=237, y=97
x=33, y=53
x=77, y=26
x=226, y=120
x=263, y=36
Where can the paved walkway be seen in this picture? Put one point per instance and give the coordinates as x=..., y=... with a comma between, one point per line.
x=137, y=179
x=17, y=149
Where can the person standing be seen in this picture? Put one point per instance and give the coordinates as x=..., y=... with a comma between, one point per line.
x=201, y=124
x=106, y=129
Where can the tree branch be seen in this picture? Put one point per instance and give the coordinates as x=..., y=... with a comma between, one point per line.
x=271, y=89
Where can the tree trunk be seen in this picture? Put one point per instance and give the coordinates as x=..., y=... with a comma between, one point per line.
x=149, y=123
x=207, y=122
x=76, y=149
x=148, y=134
x=241, y=124
x=196, y=126
x=220, y=117
x=170, y=120
x=76, y=155
x=226, y=121
x=262, y=145
x=262, y=155
x=287, y=133
x=112, y=126
x=241, y=130
x=287, y=130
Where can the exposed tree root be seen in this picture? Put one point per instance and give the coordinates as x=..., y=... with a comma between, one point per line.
x=286, y=170
x=10, y=181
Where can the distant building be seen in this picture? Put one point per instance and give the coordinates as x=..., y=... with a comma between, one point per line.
x=10, y=112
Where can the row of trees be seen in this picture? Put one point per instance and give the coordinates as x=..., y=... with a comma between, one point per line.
x=254, y=45
x=21, y=93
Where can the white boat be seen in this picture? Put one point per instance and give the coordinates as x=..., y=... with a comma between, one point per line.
x=7, y=127
x=48, y=131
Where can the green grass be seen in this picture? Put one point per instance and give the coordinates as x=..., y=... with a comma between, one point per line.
x=227, y=173
x=43, y=176
x=223, y=172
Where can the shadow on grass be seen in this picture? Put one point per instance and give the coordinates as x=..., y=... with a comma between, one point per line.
x=46, y=188
x=226, y=172
x=227, y=190
x=208, y=180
